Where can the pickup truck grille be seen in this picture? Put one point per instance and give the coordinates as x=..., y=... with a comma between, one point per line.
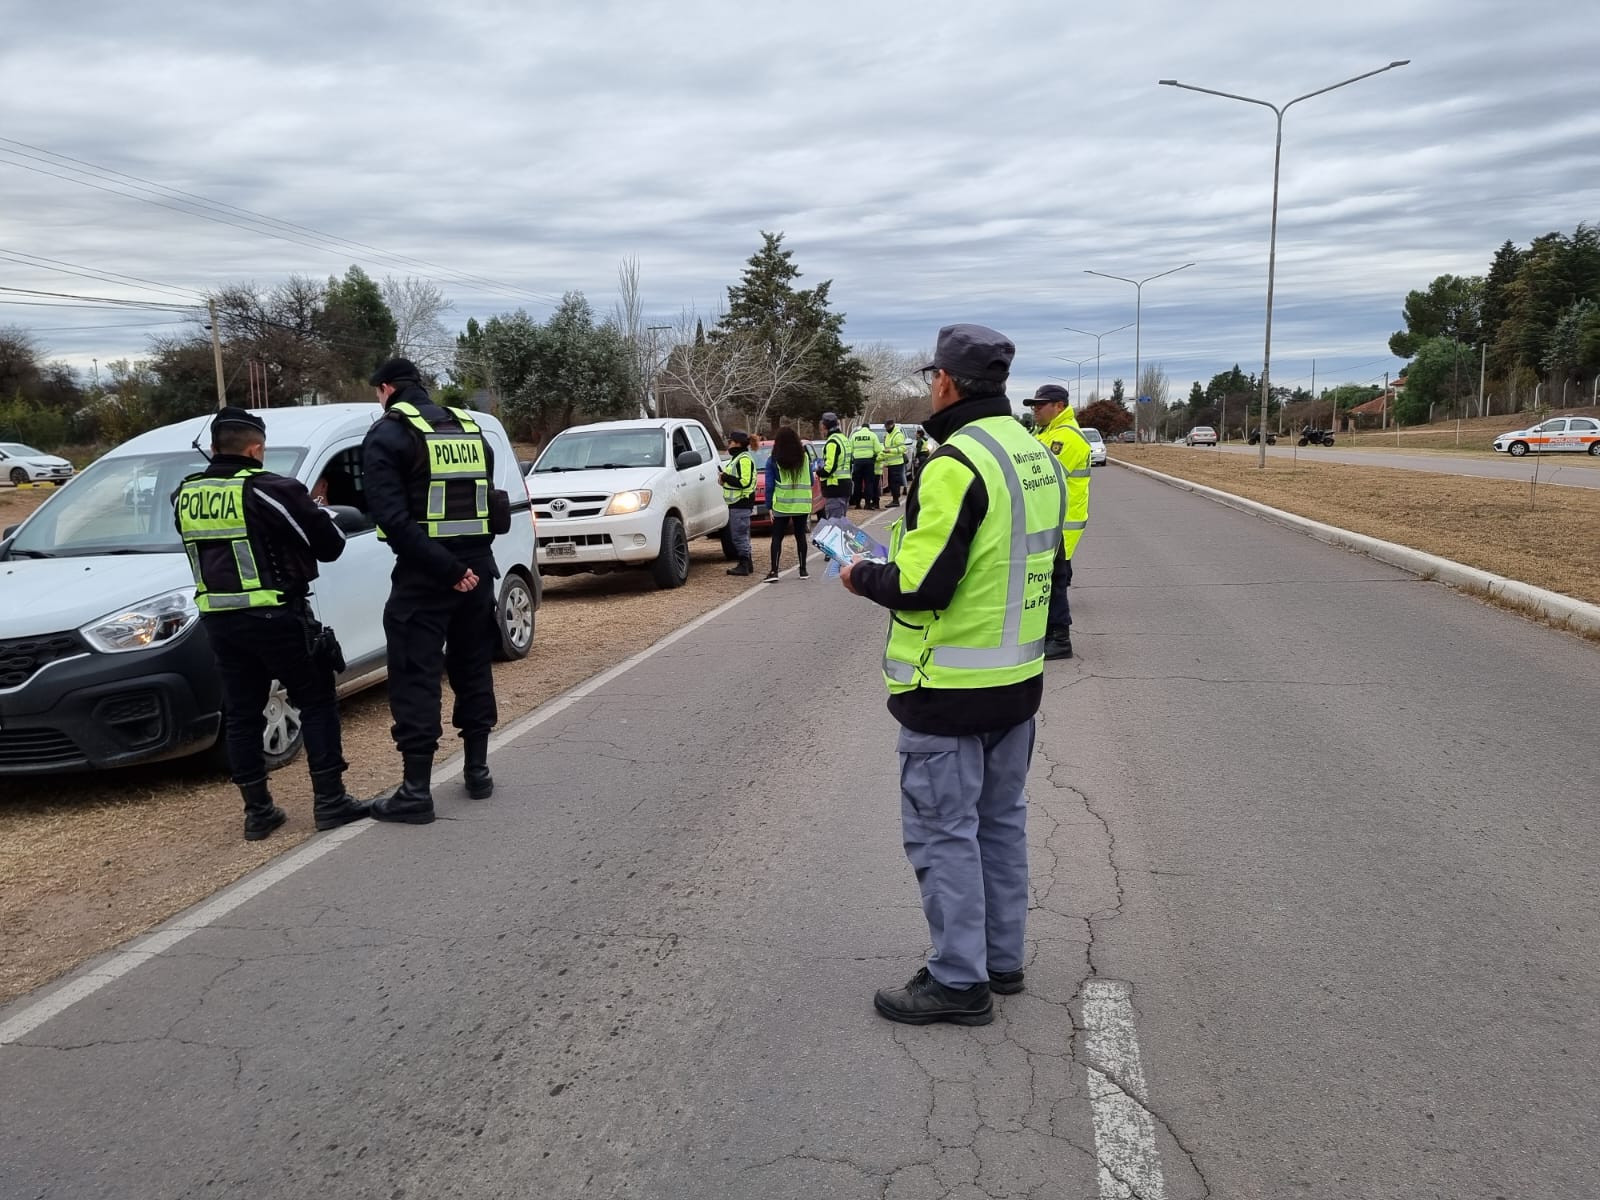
x=21, y=657
x=565, y=508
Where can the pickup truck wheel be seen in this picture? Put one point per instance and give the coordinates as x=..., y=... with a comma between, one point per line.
x=671, y=567
x=515, y=619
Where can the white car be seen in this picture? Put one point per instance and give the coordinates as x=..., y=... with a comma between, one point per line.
x=624, y=494
x=103, y=659
x=23, y=464
x=1202, y=435
x=1097, y=446
x=1571, y=435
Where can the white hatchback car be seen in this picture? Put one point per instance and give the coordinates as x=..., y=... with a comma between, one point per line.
x=1097, y=446
x=103, y=659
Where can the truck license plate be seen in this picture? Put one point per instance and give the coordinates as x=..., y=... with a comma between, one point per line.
x=562, y=550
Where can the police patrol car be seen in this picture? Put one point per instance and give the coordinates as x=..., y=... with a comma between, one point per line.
x=1573, y=435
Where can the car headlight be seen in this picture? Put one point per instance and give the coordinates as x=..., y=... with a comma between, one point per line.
x=149, y=623
x=624, y=503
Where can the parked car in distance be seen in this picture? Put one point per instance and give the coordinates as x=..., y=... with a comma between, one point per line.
x=1201, y=435
x=761, y=518
x=1558, y=435
x=20, y=464
x=1097, y=446
x=621, y=495
x=103, y=659
x=1127, y=435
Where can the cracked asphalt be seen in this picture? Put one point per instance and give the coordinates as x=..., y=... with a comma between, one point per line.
x=1330, y=830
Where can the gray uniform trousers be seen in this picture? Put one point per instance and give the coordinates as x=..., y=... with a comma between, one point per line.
x=964, y=820
x=835, y=506
x=739, y=530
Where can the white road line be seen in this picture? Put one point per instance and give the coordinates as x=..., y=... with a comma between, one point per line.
x=86, y=983
x=1124, y=1130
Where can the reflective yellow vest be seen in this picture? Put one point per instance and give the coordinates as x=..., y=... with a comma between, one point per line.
x=894, y=447
x=864, y=443
x=792, y=496
x=1065, y=440
x=743, y=468
x=839, y=446
x=457, y=496
x=993, y=631
x=216, y=537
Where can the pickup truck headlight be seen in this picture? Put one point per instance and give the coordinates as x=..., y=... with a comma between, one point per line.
x=149, y=623
x=624, y=503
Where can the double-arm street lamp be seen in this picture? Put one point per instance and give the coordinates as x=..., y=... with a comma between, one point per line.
x=1097, y=337
x=1272, y=244
x=1077, y=362
x=1138, y=319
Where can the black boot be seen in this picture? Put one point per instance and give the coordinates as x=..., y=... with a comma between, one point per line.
x=261, y=815
x=1058, y=643
x=331, y=805
x=925, y=1000
x=412, y=802
x=480, y=784
x=745, y=567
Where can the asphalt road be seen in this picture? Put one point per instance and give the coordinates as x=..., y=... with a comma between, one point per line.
x=1569, y=470
x=1315, y=915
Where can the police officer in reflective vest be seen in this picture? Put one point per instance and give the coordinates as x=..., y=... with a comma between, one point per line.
x=967, y=588
x=738, y=477
x=837, y=466
x=254, y=540
x=1056, y=427
x=864, y=451
x=428, y=473
x=894, y=460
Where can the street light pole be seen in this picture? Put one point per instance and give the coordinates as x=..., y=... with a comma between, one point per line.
x=1272, y=245
x=1138, y=326
x=1097, y=337
x=1077, y=362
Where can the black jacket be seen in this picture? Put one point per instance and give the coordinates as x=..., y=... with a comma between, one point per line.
x=951, y=712
x=393, y=463
x=287, y=529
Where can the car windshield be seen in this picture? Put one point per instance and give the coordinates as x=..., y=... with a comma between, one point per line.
x=596, y=449
x=18, y=450
x=1092, y=435
x=122, y=505
x=761, y=456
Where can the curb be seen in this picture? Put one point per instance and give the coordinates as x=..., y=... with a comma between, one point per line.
x=1564, y=612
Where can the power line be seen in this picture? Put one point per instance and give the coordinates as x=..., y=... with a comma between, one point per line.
x=97, y=328
x=157, y=305
x=196, y=205
x=62, y=267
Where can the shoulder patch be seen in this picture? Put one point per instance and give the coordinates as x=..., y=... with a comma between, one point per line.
x=1056, y=447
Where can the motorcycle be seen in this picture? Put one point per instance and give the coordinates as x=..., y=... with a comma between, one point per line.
x=1255, y=438
x=1310, y=435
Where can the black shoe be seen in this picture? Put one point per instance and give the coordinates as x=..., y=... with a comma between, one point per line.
x=331, y=805
x=261, y=815
x=925, y=1000
x=1005, y=983
x=803, y=574
x=745, y=567
x=412, y=802
x=480, y=784
x=772, y=577
x=1058, y=647
x=894, y=504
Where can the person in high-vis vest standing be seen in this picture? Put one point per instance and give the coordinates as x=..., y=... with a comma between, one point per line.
x=254, y=540
x=1057, y=428
x=966, y=583
x=894, y=461
x=864, y=451
x=837, y=468
x=427, y=474
x=788, y=479
x=738, y=478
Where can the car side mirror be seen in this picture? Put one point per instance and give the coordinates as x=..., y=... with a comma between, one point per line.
x=689, y=458
x=350, y=519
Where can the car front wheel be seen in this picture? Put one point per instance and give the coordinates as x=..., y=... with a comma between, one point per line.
x=1518, y=449
x=18, y=476
x=671, y=567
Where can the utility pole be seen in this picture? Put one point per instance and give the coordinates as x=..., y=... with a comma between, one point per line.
x=1483, y=363
x=216, y=356
x=1314, y=390
x=1385, y=400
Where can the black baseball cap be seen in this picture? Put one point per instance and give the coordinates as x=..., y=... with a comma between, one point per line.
x=973, y=352
x=740, y=436
x=238, y=416
x=396, y=370
x=1048, y=393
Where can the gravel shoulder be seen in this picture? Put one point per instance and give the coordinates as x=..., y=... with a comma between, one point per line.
x=87, y=861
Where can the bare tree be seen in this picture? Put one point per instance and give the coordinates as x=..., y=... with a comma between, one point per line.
x=1153, y=382
x=713, y=376
x=777, y=364
x=418, y=308
x=627, y=314
x=892, y=389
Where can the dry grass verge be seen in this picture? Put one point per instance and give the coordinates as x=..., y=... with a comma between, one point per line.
x=88, y=861
x=1546, y=538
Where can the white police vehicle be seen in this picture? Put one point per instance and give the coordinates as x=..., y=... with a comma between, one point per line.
x=103, y=659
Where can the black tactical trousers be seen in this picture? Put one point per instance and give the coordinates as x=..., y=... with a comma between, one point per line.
x=432, y=630
x=253, y=649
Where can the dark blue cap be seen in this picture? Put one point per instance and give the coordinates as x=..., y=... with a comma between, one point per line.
x=238, y=416
x=396, y=370
x=739, y=436
x=973, y=352
x=1048, y=393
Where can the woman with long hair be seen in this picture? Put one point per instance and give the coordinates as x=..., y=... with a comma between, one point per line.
x=788, y=496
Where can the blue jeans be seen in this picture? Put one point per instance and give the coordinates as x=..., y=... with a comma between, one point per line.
x=964, y=820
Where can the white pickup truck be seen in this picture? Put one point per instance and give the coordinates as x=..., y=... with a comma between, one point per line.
x=620, y=494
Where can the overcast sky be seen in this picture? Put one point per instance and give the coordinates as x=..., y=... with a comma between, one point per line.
x=938, y=161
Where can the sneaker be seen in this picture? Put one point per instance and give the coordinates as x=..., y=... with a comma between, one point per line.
x=1005, y=983
x=803, y=574
x=772, y=577
x=924, y=1000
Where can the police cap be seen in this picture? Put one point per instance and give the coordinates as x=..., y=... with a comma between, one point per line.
x=238, y=417
x=831, y=420
x=1049, y=393
x=973, y=352
x=396, y=370
x=739, y=437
